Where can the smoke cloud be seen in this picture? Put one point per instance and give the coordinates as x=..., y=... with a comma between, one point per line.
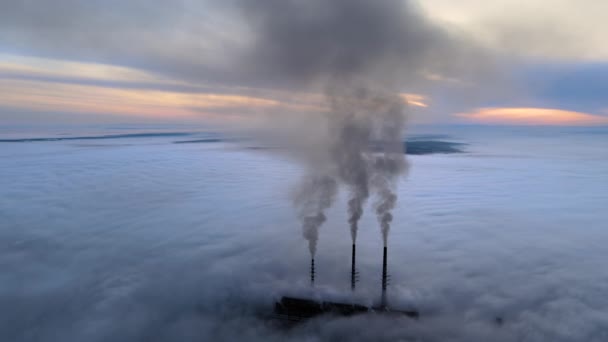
x=389, y=161
x=350, y=123
x=314, y=195
x=360, y=54
x=339, y=43
x=368, y=149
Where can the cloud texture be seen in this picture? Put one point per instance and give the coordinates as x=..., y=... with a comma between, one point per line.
x=144, y=240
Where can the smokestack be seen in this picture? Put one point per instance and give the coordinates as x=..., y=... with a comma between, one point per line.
x=312, y=272
x=384, y=280
x=353, y=272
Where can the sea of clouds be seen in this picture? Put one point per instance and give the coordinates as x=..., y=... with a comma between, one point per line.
x=140, y=239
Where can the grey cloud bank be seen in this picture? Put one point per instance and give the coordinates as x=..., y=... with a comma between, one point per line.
x=229, y=47
x=232, y=43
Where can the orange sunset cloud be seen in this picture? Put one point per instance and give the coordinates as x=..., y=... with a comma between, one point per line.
x=415, y=100
x=42, y=96
x=533, y=116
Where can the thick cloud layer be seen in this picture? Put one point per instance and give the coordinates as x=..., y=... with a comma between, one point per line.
x=140, y=239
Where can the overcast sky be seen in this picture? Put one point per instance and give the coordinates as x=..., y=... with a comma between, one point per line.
x=533, y=62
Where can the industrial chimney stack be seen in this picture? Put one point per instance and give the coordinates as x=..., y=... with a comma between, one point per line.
x=312, y=272
x=384, y=280
x=353, y=271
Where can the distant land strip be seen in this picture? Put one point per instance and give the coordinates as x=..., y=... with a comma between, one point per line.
x=419, y=147
x=416, y=145
x=99, y=137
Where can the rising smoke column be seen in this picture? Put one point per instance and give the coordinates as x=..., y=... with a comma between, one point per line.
x=389, y=160
x=313, y=196
x=361, y=54
x=350, y=124
x=368, y=124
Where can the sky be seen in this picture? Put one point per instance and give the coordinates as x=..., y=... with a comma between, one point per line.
x=536, y=62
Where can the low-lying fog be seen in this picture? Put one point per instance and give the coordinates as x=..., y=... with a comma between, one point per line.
x=141, y=239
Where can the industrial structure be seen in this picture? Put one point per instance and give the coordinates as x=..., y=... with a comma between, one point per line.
x=296, y=310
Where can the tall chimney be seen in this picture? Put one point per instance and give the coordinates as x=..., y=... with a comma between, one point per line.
x=353, y=272
x=384, y=279
x=312, y=272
